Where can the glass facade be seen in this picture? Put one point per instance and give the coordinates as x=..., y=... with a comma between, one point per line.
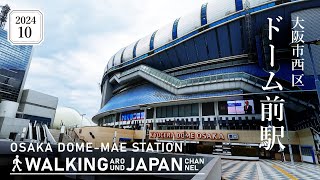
x=137, y=115
x=38, y=119
x=208, y=109
x=184, y=110
x=107, y=119
x=14, y=61
x=220, y=70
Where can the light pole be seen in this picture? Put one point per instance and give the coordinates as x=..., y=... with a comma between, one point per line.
x=82, y=118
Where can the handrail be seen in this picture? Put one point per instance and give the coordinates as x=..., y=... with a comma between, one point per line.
x=177, y=86
x=49, y=135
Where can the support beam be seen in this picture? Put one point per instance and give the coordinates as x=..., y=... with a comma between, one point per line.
x=144, y=124
x=154, y=119
x=200, y=116
x=216, y=113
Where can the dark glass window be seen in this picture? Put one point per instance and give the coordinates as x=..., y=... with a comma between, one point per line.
x=187, y=110
x=150, y=113
x=208, y=109
x=175, y=111
x=181, y=110
x=158, y=112
x=41, y=120
x=169, y=111
x=163, y=112
x=178, y=111
x=223, y=107
x=195, y=110
x=257, y=106
x=109, y=119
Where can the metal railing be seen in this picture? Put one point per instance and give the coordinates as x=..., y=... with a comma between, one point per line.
x=209, y=79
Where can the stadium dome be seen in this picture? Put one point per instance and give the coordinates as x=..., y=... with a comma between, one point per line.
x=69, y=117
x=202, y=55
x=196, y=20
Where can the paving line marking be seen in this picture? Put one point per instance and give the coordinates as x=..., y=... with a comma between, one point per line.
x=298, y=171
x=284, y=172
x=260, y=175
x=269, y=172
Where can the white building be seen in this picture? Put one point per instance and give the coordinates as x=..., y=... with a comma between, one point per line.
x=33, y=107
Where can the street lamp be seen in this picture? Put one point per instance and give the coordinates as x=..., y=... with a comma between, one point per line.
x=316, y=79
x=82, y=118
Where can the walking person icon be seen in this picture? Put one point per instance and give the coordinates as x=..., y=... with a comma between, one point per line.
x=16, y=163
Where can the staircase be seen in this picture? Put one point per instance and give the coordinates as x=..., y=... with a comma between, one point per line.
x=37, y=133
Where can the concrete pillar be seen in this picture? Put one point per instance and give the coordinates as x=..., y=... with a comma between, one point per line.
x=115, y=119
x=154, y=119
x=216, y=112
x=315, y=155
x=119, y=121
x=200, y=116
x=300, y=152
x=8, y=108
x=144, y=124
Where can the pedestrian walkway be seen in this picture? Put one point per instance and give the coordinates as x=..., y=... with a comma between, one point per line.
x=232, y=169
x=269, y=169
x=299, y=171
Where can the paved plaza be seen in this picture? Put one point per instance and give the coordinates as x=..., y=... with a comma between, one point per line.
x=268, y=169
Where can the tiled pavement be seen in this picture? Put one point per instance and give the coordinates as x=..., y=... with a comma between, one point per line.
x=269, y=169
x=232, y=169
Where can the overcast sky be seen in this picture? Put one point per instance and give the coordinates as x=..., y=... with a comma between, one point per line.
x=82, y=35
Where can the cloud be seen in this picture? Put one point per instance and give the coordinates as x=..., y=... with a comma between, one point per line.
x=81, y=36
x=74, y=75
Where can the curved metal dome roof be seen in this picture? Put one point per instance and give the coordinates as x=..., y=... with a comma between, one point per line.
x=207, y=13
x=70, y=118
